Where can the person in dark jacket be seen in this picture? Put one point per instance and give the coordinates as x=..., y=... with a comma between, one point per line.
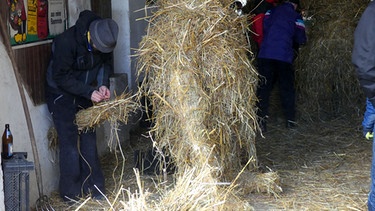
x=77, y=75
x=363, y=59
x=283, y=28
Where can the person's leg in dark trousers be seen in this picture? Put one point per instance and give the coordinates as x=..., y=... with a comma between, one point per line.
x=90, y=165
x=62, y=109
x=287, y=91
x=91, y=172
x=266, y=73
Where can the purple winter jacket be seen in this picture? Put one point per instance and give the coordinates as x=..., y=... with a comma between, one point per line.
x=283, y=27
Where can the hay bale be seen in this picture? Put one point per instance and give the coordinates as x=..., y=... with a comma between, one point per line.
x=325, y=77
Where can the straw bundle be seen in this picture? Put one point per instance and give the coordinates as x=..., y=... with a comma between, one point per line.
x=325, y=76
x=114, y=110
x=53, y=140
x=269, y=183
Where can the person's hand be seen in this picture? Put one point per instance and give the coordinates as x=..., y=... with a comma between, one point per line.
x=96, y=96
x=105, y=92
x=102, y=94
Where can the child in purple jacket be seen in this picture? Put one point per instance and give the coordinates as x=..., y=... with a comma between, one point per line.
x=284, y=29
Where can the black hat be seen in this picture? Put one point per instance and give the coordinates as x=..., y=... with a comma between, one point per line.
x=103, y=33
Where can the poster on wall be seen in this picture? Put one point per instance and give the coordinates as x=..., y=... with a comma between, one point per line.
x=35, y=20
x=57, y=14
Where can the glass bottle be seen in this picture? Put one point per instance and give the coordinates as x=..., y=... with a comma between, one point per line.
x=7, y=143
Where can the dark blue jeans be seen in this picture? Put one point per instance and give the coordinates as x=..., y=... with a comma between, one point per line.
x=371, y=197
x=79, y=162
x=272, y=71
x=368, y=124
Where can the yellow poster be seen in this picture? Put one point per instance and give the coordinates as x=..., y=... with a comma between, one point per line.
x=32, y=17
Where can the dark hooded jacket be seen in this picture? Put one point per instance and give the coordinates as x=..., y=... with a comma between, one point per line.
x=283, y=27
x=363, y=56
x=74, y=67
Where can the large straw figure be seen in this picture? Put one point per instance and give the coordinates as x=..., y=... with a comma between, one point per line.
x=201, y=85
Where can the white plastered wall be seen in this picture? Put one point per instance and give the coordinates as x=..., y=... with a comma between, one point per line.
x=130, y=17
x=12, y=112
